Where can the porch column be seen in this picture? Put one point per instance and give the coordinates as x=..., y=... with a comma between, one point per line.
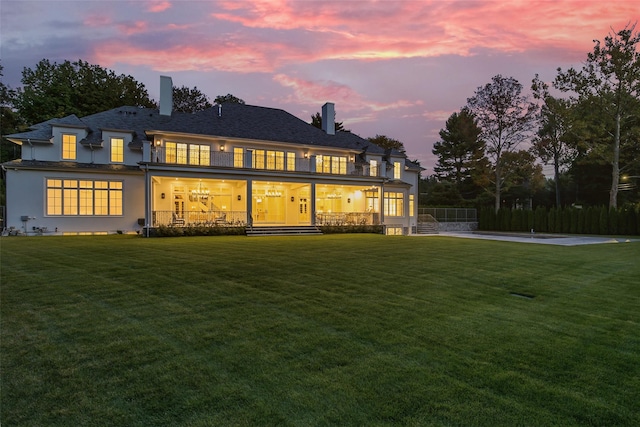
x=382, y=204
x=313, y=203
x=147, y=200
x=249, y=202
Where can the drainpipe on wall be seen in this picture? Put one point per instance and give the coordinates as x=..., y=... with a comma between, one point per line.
x=147, y=207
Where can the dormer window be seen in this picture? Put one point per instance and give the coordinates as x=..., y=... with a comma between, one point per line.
x=68, y=147
x=117, y=150
x=397, y=171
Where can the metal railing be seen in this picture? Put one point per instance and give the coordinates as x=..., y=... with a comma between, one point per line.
x=450, y=214
x=232, y=160
x=350, y=218
x=207, y=219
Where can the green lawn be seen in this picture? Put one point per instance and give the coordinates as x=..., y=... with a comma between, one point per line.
x=362, y=330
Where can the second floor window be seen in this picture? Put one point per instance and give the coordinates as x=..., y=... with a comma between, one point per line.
x=336, y=165
x=117, y=150
x=68, y=147
x=397, y=172
x=182, y=153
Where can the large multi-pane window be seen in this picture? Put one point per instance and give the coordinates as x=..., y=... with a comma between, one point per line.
x=117, y=150
x=68, y=147
x=182, y=153
x=83, y=197
x=336, y=165
x=393, y=203
x=199, y=154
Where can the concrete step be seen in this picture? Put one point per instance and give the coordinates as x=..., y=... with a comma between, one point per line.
x=283, y=231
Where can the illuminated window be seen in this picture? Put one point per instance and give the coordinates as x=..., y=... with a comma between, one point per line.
x=397, y=172
x=68, y=147
x=336, y=165
x=205, y=155
x=117, y=150
x=238, y=157
x=199, y=154
x=373, y=168
x=271, y=159
x=54, y=197
x=86, y=197
x=170, y=152
x=83, y=197
x=411, y=205
x=291, y=161
x=372, y=200
x=393, y=203
x=258, y=159
x=181, y=153
x=280, y=160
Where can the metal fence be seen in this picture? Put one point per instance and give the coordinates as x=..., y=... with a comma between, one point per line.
x=451, y=214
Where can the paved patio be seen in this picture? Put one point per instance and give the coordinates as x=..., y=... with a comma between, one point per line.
x=541, y=239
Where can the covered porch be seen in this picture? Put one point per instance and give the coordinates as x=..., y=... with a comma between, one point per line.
x=185, y=201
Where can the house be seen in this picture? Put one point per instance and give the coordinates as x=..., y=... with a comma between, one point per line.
x=130, y=169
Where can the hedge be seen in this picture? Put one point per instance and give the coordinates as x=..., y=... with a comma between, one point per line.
x=568, y=220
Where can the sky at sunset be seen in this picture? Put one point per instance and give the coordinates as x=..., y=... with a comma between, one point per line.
x=396, y=68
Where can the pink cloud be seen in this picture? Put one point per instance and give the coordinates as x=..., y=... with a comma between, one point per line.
x=351, y=106
x=158, y=6
x=265, y=36
x=383, y=30
x=130, y=28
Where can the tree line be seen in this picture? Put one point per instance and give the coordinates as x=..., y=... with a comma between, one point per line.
x=585, y=124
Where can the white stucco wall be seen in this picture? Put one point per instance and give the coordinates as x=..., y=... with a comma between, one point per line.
x=26, y=197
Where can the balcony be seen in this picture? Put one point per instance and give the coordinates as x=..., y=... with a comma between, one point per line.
x=248, y=161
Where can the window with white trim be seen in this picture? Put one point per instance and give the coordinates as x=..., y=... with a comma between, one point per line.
x=117, y=150
x=83, y=197
x=69, y=146
x=393, y=203
x=397, y=172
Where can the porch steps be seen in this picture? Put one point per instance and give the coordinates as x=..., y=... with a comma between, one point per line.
x=283, y=231
x=427, y=228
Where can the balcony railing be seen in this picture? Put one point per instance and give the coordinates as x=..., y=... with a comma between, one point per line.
x=246, y=161
x=239, y=218
x=209, y=219
x=350, y=218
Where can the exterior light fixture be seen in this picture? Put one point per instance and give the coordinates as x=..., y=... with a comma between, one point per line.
x=306, y=154
x=221, y=147
x=239, y=196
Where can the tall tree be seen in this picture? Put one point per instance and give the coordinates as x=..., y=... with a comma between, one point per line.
x=56, y=90
x=523, y=177
x=221, y=99
x=387, y=143
x=316, y=121
x=609, y=82
x=506, y=118
x=187, y=100
x=10, y=122
x=459, y=149
x=556, y=139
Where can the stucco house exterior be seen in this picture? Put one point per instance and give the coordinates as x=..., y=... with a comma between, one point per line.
x=131, y=169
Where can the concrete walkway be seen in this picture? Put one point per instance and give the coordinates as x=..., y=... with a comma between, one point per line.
x=541, y=239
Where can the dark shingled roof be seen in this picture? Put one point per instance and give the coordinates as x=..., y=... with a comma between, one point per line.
x=230, y=120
